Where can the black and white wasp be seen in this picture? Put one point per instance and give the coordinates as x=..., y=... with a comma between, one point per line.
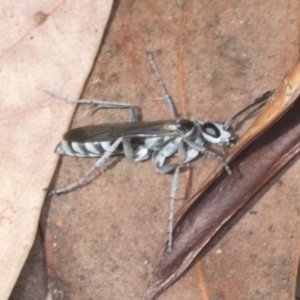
x=155, y=140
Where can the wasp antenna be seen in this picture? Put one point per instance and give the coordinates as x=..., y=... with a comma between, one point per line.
x=260, y=100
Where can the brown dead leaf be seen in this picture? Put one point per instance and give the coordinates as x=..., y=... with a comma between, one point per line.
x=202, y=216
x=213, y=55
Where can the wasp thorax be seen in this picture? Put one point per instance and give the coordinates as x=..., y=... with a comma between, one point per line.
x=211, y=129
x=214, y=133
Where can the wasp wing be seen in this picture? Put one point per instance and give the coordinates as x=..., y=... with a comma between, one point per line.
x=112, y=131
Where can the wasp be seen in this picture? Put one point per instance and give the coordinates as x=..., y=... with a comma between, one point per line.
x=155, y=140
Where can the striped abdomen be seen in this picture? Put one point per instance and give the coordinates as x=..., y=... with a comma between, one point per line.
x=87, y=149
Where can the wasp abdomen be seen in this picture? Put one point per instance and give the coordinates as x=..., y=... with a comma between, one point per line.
x=87, y=149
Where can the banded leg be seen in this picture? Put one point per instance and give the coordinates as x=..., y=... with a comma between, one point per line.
x=203, y=149
x=97, y=165
x=100, y=104
x=168, y=101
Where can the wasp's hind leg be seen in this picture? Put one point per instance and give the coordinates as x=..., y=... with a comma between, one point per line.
x=97, y=165
x=100, y=104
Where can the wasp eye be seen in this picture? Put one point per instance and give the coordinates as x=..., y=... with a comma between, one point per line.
x=211, y=129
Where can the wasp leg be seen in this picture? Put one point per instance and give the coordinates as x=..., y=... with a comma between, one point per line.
x=171, y=209
x=158, y=159
x=101, y=104
x=97, y=165
x=159, y=156
x=203, y=149
x=187, y=154
x=167, y=169
x=127, y=148
x=168, y=100
x=139, y=154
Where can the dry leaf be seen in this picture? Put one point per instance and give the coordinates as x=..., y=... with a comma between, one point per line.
x=49, y=45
